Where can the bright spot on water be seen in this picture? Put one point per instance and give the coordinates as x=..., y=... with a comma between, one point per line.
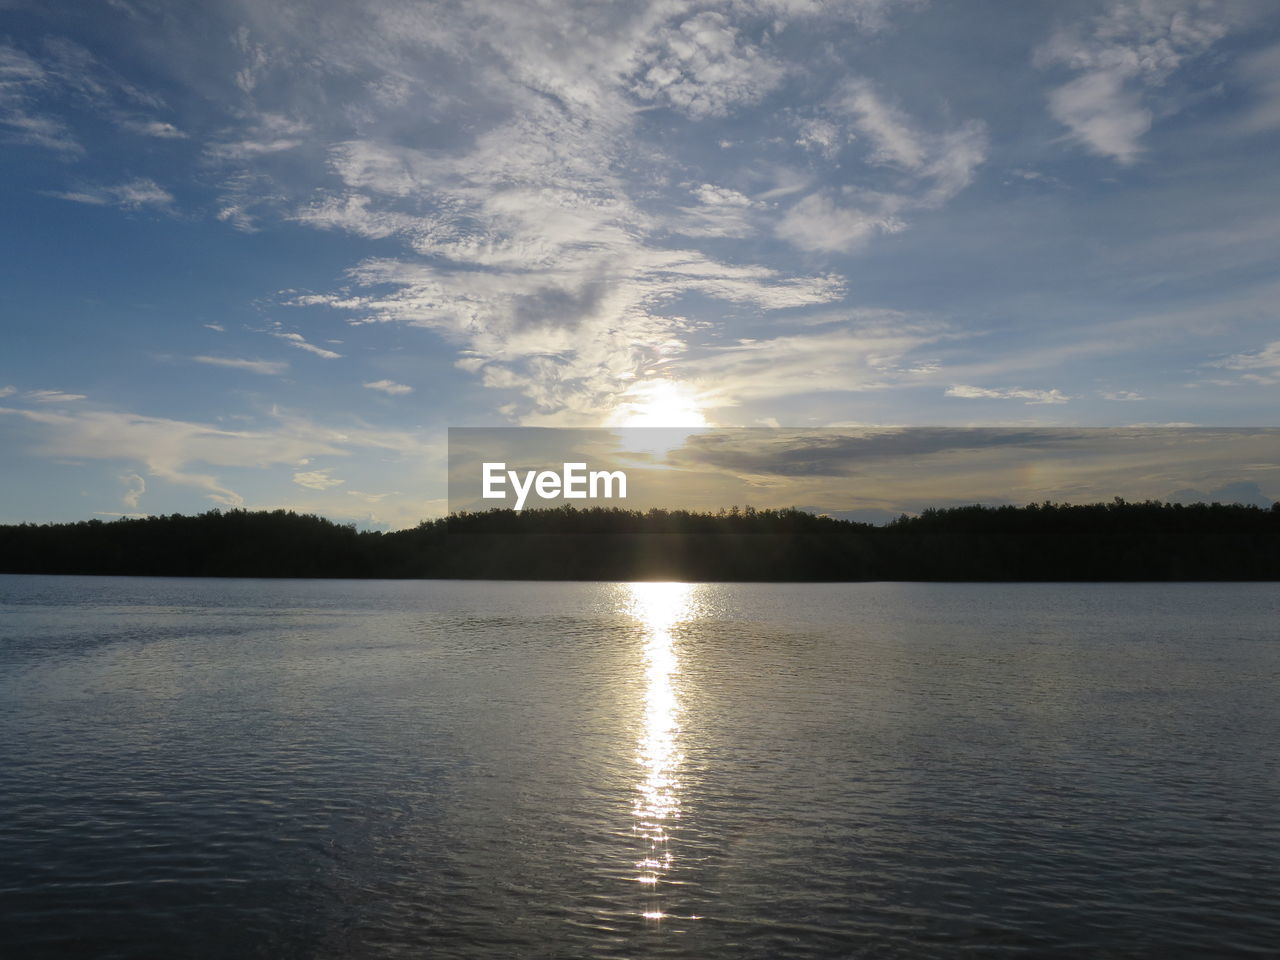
x=658, y=607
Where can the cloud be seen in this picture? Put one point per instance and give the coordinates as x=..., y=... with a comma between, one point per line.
x=297, y=340
x=136, y=487
x=854, y=358
x=541, y=236
x=316, y=480
x=52, y=396
x=155, y=128
x=22, y=82
x=1101, y=112
x=820, y=136
x=931, y=168
x=830, y=453
x=219, y=328
x=270, y=133
x=890, y=131
x=8, y=391
x=191, y=453
x=1259, y=366
x=1120, y=57
x=265, y=367
x=1031, y=397
x=369, y=497
x=130, y=196
x=389, y=386
x=1240, y=491
x=703, y=68
x=1261, y=72
x=1268, y=358
x=1121, y=395
x=819, y=222
x=34, y=90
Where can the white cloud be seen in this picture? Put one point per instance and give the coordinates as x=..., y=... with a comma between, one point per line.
x=32, y=90
x=8, y=391
x=1030, y=397
x=1120, y=56
x=1100, y=111
x=135, y=488
x=316, y=479
x=931, y=167
x=891, y=132
x=858, y=356
x=155, y=128
x=703, y=68
x=818, y=222
x=389, y=386
x=1260, y=366
x=1122, y=395
x=297, y=340
x=821, y=136
x=130, y=196
x=52, y=396
x=169, y=449
x=1268, y=358
x=543, y=238
x=22, y=82
x=216, y=327
x=265, y=367
x=270, y=133
x=369, y=497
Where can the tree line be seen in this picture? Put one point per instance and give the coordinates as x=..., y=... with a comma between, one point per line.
x=1106, y=541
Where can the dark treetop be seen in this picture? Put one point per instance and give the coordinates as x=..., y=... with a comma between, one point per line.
x=1113, y=541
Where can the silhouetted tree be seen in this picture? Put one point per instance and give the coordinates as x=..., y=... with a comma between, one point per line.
x=1043, y=541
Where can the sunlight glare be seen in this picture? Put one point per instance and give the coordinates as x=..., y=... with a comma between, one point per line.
x=660, y=403
x=658, y=607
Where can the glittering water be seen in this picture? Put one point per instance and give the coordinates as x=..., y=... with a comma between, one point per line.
x=200, y=768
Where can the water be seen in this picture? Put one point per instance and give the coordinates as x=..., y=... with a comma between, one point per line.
x=201, y=768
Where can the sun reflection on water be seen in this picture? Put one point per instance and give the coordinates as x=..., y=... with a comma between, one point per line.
x=659, y=607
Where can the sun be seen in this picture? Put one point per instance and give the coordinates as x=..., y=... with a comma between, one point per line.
x=659, y=403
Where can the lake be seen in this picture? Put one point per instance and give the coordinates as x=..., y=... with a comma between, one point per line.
x=335, y=769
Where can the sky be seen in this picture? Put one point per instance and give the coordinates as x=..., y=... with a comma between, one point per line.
x=266, y=254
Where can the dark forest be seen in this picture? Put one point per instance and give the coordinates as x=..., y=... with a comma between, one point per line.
x=1046, y=542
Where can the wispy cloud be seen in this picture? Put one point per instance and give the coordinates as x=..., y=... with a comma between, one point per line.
x=703, y=67
x=159, y=129
x=389, y=386
x=1261, y=73
x=1030, y=397
x=130, y=196
x=1258, y=366
x=52, y=396
x=38, y=84
x=192, y=454
x=557, y=265
x=270, y=133
x=316, y=479
x=22, y=81
x=932, y=168
x=1120, y=56
x=265, y=367
x=299, y=341
x=135, y=487
x=855, y=358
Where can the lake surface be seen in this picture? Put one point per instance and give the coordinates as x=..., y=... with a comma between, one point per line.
x=334, y=769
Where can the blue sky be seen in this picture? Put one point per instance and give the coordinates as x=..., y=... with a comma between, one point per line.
x=265, y=254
